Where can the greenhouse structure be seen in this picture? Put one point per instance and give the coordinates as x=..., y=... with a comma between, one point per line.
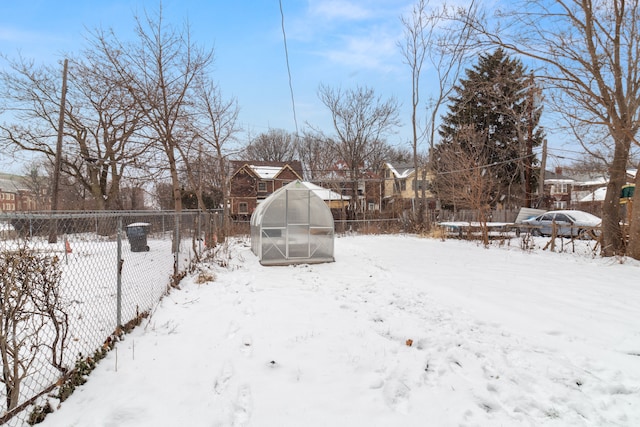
x=293, y=226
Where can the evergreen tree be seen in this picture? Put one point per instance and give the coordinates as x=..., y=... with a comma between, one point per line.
x=493, y=116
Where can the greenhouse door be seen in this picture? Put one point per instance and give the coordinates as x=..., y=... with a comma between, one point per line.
x=298, y=242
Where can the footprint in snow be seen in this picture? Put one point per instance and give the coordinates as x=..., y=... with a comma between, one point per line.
x=242, y=406
x=222, y=381
x=396, y=395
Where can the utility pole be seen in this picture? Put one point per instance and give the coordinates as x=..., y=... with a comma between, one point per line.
x=528, y=190
x=53, y=230
x=543, y=166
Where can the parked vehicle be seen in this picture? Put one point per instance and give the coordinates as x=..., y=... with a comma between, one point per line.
x=568, y=223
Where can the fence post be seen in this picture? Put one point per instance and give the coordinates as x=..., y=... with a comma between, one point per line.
x=176, y=244
x=119, y=275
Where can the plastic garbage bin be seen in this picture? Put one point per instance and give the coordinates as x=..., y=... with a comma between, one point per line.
x=137, y=235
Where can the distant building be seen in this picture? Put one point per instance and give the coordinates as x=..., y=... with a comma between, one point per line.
x=17, y=196
x=253, y=181
x=400, y=182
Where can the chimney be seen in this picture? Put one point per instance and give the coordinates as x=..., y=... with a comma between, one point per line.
x=559, y=170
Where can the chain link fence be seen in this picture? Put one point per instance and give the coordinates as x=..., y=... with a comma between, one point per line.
x=72, y=283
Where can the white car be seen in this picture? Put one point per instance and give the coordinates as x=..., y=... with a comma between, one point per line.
x=568, y=223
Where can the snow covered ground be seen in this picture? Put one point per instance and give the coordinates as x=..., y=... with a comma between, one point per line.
x=399, y=331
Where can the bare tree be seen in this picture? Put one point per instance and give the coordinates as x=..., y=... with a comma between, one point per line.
x=38, y=181
x=360, y=121
x=32, y=318
x=217, y=127
x=431, y=36
x=589, y=53
x=99, y=122
x=317, y=161
x=275, y=145
x=161, y=70
x=464, y=175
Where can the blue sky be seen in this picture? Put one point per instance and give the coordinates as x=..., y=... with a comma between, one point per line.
x=337, y=43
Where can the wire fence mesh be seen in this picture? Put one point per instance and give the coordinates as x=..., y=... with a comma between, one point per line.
x=72, y=282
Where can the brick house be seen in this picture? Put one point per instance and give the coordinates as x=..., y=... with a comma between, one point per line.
x=16, y=196
x=253, y=181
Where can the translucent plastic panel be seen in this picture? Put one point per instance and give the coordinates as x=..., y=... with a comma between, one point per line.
x=321, y=243
x=320, y=214
x=298, y=206
x=274, y=214
x=298, y=240
x=273, y=244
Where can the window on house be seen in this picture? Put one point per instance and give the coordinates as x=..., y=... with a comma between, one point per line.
x=403, y=185
x=262, y=187
x=372, y=206
x=243, y=208
x=560, y=204
x=559, y=188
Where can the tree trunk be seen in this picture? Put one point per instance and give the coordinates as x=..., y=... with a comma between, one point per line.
x=612, y=243
x=633, y=249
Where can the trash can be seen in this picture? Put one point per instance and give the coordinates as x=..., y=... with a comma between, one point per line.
x=137, y=235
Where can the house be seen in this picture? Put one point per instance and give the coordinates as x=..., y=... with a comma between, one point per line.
x=400, y=182
x=557, y=189
x=253, y=181
x=16, y=196
x=581, y=190
x=591, y=200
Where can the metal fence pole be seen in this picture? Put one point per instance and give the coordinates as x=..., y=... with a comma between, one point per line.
x=176, y=244
x=119, y=275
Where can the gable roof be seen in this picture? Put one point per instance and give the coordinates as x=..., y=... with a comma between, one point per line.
x=12, y=183
x=401, y=170
x=267, y=170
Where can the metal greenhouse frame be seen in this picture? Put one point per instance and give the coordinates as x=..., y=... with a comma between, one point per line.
x=293, y=226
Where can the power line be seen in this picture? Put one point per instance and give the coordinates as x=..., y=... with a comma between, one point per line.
x=286, y=55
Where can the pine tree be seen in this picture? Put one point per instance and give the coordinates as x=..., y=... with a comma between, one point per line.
x=493, y=116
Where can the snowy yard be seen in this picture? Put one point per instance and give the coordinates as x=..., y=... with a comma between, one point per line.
x=399, y=331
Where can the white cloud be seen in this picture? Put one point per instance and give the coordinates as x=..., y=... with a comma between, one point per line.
x=337, y=9
x=364, y=51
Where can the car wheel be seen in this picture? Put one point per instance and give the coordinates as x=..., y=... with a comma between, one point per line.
x=584, y=235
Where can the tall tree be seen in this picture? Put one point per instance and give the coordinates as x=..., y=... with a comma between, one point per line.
x=217, y=126
x=588, y=51
x=431, y=36
x=160, y=69
x=466, y=179
x=493, y=100
x=317, y=161
x=275, y=145
x=99, y=122
x=360, y=121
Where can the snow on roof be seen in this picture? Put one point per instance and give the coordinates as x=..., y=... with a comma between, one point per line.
x=402, y=171
x=596, y=196
x=324, y=193
x=559, y=181
x=266, y=172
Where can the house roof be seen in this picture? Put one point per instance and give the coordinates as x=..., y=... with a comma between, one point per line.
x=267, y=170
x=12, y=183
x=401, y=170
x=325, y=193
x=595, y=196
